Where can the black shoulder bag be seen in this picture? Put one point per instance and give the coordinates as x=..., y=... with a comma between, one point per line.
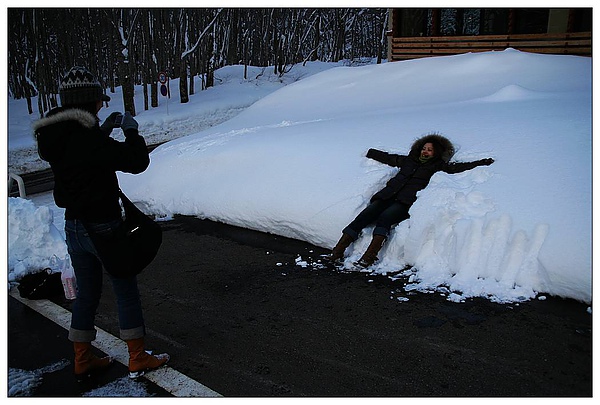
x=131, y=247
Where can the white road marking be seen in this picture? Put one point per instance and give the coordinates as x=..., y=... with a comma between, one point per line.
x=165, y=377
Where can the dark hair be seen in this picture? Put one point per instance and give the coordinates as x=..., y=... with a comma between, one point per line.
x=438, y=148
x=92, y=107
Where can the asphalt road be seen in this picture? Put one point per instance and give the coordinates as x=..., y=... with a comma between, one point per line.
x=237, y=314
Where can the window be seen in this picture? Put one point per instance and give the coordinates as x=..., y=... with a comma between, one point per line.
x=410, y=22
x=459, y=21
x=582, y=20
x=417, y=22
x=494, y=21
x=531, y=21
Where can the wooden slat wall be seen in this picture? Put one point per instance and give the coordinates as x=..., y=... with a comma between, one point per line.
x=579, y=43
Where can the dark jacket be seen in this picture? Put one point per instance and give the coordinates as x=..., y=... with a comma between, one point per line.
x=414, y=175
x=84, y=161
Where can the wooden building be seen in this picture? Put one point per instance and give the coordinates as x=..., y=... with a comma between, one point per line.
x=422, y=32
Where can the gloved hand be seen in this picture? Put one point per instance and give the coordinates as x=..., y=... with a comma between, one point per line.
x=109, y=123
x=485, y=162
x=128, y=122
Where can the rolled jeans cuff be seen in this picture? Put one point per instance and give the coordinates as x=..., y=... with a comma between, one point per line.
x=382, y=231
x=351, y=232
x=134, y=333
x=77, y=335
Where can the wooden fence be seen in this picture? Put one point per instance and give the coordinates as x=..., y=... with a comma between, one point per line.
x=578, y=43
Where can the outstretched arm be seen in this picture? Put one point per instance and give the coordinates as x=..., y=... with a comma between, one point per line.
x=453, y=168
x=390, y=159
x=130, y=156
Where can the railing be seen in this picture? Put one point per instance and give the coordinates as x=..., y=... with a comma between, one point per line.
x=577, y=43
x=15, y=177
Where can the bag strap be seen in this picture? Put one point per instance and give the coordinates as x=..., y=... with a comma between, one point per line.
x=130, y=208
x=124, y=197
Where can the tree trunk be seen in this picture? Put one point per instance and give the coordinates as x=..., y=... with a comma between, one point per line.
x=145, y=89
x=127, y=87
x=192, y=76
x=183, y=89
x=210, y=74
x=154, y=93
x=29, y=106
x=317, y=39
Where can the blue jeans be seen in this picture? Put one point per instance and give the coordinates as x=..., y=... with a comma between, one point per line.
x=384, y=213
x=89, y=273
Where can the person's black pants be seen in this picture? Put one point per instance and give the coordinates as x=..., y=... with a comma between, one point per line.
x=384, y=213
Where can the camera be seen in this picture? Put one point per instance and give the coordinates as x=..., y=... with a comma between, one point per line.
x=118, y=120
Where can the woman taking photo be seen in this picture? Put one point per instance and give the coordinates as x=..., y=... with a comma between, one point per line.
x=84, y=160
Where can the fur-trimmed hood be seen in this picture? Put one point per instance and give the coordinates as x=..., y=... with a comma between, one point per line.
x=53, y=132
x=59, y=115
x=441, y=143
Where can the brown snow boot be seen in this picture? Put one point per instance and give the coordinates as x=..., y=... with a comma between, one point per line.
x=86, y=362
x=370, y=255
x=141, y=361
x=337, y=253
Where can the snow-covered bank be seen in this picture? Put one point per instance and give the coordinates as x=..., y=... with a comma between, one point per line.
x=294, y=164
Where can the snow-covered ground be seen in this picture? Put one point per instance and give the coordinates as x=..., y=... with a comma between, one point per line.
x=291, y=161
x=231, y=95
x=22, y=383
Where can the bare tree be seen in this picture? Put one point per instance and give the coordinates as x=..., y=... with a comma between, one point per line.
x=128, y=47
x=125, y=29
x=189, y=49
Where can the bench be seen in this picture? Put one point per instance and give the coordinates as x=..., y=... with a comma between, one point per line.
x=576, y=43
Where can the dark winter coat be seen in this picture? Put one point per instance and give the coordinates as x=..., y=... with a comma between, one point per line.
x=414, y=175
x=84, y=161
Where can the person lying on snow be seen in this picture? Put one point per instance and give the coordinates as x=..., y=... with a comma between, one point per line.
x=390, y=205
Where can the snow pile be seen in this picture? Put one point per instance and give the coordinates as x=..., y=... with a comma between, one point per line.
x=22, y=383
x=34, y=242
x=293, y=164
